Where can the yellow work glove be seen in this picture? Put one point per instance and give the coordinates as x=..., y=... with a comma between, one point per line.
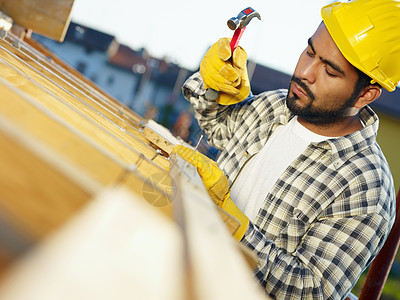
x=226, y=73
x=216, y=184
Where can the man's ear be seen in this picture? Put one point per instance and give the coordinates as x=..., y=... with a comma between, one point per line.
x=368, y=95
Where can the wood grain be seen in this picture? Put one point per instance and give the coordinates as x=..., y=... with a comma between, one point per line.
x=50, y=18
x=126, y=146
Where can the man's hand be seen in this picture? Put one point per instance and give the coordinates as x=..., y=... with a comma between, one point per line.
x=216, y=184
x=213, y=177
x=226, y=72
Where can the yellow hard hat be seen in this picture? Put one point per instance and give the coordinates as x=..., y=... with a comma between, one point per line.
x=367, y=32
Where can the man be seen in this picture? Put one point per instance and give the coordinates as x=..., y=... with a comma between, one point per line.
x=301, y=168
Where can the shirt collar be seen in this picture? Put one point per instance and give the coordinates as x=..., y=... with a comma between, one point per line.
x=342, y=148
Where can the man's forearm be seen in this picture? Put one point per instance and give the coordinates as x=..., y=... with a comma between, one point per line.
x=211, y=116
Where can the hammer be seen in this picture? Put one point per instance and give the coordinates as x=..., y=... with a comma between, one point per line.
x=238, y=24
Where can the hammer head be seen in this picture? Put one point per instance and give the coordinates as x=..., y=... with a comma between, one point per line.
x=243, y=18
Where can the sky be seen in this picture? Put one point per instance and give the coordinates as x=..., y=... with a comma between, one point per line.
x=182, y=30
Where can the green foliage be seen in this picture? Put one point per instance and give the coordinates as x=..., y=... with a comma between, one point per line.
x=390, y=291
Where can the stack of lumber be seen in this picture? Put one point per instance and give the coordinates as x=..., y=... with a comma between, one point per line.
x=92, y=205
x=62, y=140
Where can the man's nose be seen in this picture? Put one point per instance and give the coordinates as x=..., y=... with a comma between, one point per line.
x=308, y=71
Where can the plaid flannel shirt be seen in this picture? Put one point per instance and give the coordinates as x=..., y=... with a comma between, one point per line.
x=328, y=214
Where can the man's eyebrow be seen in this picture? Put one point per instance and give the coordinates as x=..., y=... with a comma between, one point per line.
x=311, y=45
x=324, y=60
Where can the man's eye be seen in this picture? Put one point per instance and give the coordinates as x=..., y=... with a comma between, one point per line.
x=310, y=54
x=329, y=74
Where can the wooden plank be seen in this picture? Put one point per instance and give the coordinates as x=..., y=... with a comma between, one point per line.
x=102, y=165
x=158, y=140
x=97, y=160
x=67, y=83
x=44, y=89
x=76, y=78
x=115, y=248
x=81, y=87
x=160, y=136
x=50, y=18
x=84, y=119
x=38, y=190
x=217, y=268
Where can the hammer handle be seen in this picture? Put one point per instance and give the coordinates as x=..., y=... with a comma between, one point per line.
x=236, y=38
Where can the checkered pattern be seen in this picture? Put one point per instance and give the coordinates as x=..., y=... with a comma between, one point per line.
x=328, y=214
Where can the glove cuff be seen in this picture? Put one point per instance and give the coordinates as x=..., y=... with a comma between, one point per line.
x=230, y=207
x=219, y=191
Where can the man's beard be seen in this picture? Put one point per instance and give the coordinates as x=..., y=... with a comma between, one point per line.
x=318, y=116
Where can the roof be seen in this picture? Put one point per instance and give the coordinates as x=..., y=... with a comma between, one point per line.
x=265, y=79
x=90, y=38
x=162, y=72
x=125, y=57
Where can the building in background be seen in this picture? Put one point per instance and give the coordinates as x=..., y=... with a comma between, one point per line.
x=133, y=77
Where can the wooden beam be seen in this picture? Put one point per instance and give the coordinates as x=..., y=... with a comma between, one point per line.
x=114, y=248
x=50, y=18
x=75, y=78
x=48, y=173
x=39, y=190
x=76, y=111
x=217, y=268
x=75, y=83
x=103, y=158
x=160, y=136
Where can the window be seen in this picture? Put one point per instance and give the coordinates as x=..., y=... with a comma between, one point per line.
x=81, y=67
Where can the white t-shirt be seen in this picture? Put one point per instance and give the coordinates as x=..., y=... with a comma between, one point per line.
x=259, y=174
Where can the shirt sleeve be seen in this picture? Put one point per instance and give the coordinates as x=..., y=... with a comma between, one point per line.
x=326, y=263
x=220, y=122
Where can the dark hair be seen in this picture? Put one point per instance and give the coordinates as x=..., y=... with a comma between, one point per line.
x=363, y=81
